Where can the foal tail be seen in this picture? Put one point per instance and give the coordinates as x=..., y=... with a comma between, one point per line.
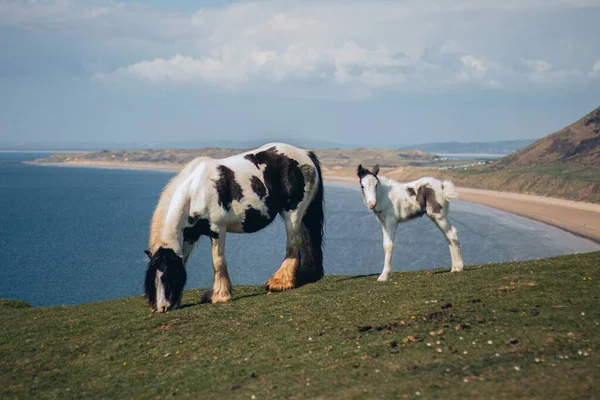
x=449, y=190
x=311, y=261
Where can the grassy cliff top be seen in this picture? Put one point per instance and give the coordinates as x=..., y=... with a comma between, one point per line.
x=514, y=330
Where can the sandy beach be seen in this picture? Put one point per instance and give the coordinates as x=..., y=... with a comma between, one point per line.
x=581, y=219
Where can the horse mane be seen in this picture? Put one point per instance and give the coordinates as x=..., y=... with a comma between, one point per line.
x=162, y=207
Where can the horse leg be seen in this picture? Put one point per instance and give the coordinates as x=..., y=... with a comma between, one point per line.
x=285, y=277
x=221, y=290
x=451, y=236
x=389, y=228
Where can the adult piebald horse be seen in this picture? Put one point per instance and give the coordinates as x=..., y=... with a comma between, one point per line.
x=239, y=194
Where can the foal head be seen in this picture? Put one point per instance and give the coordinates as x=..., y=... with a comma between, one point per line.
x=368, y=184
x=165, y=279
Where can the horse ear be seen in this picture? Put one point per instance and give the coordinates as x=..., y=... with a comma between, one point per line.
x=148, y=253
x=360, y=171
x=376, y=170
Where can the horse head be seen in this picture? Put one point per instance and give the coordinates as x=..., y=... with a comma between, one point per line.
x=368, y=184
x=165, y=279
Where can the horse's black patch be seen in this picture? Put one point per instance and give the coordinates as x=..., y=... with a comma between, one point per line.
x=253, y=159
x=200, y=226
x=255, y=220
x=258, y=187
x=227, y=187
x=425, y=197
x=283, y=178
x=173, y=278
x=411, y=192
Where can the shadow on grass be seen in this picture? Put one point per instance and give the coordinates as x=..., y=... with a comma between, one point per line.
x=353, y=277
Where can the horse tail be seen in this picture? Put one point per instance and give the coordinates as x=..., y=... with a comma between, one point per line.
x=449, y=191
x=311, y=264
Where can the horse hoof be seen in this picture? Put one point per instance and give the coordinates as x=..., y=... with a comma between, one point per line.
x=382, y=278
x=276, y=285
x=210, y=297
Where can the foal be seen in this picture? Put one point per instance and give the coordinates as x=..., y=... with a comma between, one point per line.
x=393, y=202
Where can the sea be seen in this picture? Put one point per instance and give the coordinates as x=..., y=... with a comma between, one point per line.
x=71, y=235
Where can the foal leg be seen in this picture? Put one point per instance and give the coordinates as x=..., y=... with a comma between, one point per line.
x=285, y=277
x=221, y=290
x=389, y=227
x=452, y=238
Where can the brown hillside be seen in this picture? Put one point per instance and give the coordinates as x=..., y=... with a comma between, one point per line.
x=577, y=143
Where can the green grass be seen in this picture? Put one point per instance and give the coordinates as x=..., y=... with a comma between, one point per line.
x=569, y=172
x=514, y=330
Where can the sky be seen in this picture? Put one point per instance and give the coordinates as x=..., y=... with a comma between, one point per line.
x=368, y=72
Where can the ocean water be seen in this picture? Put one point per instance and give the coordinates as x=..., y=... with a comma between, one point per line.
x=74, y=235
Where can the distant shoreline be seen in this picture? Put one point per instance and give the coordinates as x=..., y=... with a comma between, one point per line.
x=578, y=218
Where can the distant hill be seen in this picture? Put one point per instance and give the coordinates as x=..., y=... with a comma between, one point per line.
x=499, y=147
x=578, y=143
x=330, y=158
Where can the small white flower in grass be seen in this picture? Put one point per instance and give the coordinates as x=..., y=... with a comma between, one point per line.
x=429, y=344
x=580, y=352
x=517, y=368
x=582, y=313
x=376, y=370
x=438, y=342
x=537, y=360
x=417, y=393
x=465, y=352
x=465, y=380
x=490, y=342
x=473, y=343
x=253, y=397
x=438, y=350
x=585, y=354
x=497, y=355
x=461, y=338
x=310, y=339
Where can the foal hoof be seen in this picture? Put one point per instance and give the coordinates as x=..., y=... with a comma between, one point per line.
x=383, y=278
x=456, y=269
x=277, y=285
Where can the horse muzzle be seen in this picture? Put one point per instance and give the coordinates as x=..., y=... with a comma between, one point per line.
x=163, y=306
x=372, y=204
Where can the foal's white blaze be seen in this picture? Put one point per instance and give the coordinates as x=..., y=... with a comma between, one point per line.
x=369, y=187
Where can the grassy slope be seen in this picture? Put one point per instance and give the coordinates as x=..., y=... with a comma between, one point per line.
x=567, y=181
x=506, y=332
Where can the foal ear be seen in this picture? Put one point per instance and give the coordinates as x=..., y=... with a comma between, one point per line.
x=376, y=170
x=360, y=171
x=148, y=253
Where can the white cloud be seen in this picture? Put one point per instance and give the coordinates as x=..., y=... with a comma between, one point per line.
x=360, y=46
x=542, y=72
